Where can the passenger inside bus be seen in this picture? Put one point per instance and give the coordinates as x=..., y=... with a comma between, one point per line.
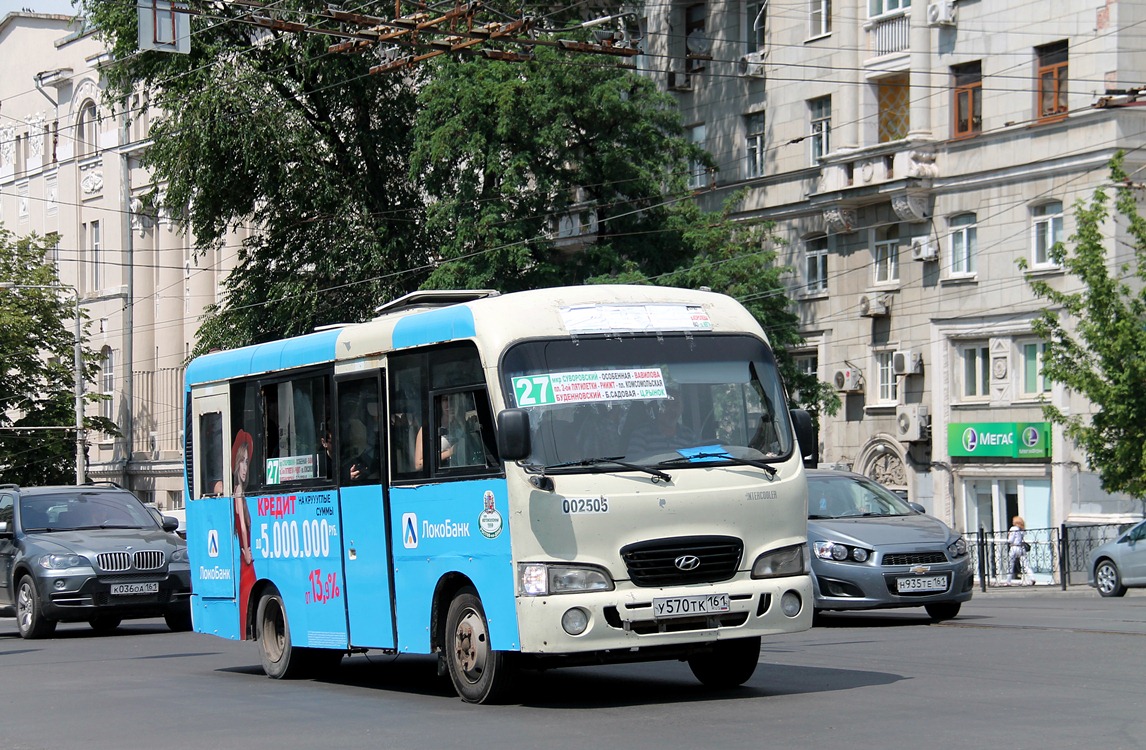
x=362, y=463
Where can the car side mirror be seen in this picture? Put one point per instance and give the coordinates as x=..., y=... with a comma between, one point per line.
x=4, y=530
x=918, y=507
x=513, y=434
x=806, y=437
x=170, y=523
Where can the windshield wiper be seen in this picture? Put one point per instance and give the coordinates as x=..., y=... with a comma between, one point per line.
x=679, y=460
x=586, y=462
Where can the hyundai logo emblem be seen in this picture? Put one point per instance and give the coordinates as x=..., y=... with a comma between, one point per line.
x=687, y=562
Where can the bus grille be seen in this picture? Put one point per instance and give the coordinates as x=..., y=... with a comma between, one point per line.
x=673, y=562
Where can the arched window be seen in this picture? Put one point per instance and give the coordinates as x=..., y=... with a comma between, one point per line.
x=87, y=130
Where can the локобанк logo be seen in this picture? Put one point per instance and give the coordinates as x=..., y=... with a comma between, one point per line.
x=970, y=439
x=213, y=543
x=410, y=530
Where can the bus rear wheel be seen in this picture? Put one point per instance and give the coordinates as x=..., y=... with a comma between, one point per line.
x=729, y=664
x=281, y=660
x=479, y=674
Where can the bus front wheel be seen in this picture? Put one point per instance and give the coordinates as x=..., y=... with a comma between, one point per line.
x=729, y=664
x=479, y=674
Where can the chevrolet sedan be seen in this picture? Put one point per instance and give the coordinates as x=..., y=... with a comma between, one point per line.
x=872, y=550
x=90, y=553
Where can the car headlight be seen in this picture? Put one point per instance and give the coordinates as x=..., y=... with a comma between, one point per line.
x=62, y=562
x=840, y=552
x=787, y=561
x=957, y=548
x=543, y=579
x=179, y=555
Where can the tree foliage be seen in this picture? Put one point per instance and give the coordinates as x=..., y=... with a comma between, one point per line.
x=37, y=380
x=1096, y=337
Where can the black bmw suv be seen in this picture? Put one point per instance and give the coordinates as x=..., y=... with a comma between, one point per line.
x=89, y=553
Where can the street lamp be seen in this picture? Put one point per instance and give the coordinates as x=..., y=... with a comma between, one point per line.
x=79, y=368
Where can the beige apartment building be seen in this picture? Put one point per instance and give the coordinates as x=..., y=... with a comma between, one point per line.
x=910, y=155
x=70, y=164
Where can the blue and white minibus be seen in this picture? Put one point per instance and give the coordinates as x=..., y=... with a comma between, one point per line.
x=558, y=477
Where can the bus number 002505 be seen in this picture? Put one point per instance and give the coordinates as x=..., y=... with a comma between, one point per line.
x=296, y=539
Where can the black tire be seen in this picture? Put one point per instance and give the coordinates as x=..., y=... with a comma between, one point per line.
x=1107, y=579
x=943, y=610
x=479, y=674
x=281, y=660
x=105, y=625
x=30, y=619
x=728, y=664
x=178, y=620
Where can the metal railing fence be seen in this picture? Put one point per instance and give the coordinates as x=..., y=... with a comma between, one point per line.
x=1057, y=555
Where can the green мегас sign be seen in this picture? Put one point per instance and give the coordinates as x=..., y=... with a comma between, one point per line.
x=999, y=439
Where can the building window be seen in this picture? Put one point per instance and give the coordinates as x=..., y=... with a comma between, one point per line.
x=163, y=22
x=107, y=383
x=820, y=17
x=894, y=93
x=806, y=364
x=963, y=245
x=754, y=145
x=887, y=258
x=87, y=130
x=885, y=372
x=976, y=370
x=820, y=112
x=968, y=104
x=1052, y=80
x=816, y=265
x=1046, y=228
x=754, y=17
x=696, y=43
x=879, y=7
x=95, y=257
x=697, y=171
x=1035, y=381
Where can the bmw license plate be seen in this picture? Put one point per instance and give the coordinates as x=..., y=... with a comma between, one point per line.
x=690, y=606
x=120, y=589
x=921, y=583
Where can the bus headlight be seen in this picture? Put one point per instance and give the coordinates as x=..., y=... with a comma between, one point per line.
x=542, y=579
x=787, y=561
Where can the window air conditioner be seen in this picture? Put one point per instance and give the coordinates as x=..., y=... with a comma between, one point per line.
x=906, y=362
x=912, y=425
x=941, y=13
x=924, y=248
x=849, y=380
x=751, y=65
x=874, y=306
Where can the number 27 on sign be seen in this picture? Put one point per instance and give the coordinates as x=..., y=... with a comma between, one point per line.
x=322, y=588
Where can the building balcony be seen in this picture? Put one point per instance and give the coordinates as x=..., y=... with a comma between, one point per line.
x=889, y=34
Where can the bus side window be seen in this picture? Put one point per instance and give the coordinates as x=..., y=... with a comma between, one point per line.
x=211, y=451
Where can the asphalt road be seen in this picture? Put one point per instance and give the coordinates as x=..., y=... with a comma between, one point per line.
x=1018, y=669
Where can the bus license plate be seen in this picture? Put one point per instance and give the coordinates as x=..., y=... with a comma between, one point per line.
x=119, y=589
x=690, y=606
x=921, y=583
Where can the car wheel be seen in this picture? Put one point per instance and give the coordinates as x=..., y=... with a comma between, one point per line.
x=479, y=674
x=1107, y=579
x=178, y=620
x=104, y=625
x=943, y=610
x=30, y=619
x=729, y=664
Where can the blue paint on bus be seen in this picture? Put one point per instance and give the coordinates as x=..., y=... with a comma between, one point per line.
x=433, y=326
x=273, y=356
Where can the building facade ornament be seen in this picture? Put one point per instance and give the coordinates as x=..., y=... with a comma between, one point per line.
x=911, y=207
x=840, y=220
x=92, y=183
x=922, y=165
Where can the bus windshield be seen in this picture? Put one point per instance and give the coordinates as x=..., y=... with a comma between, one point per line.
x=648, y=399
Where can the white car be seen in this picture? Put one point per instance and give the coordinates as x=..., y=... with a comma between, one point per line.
x=1117, y=565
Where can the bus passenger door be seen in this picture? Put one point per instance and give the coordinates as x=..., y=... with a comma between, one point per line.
x=362, y=476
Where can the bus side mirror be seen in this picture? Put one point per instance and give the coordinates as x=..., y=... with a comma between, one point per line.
x=806, y=437
x=513, y=434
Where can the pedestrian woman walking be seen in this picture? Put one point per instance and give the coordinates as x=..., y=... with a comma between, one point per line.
x=1018, y=547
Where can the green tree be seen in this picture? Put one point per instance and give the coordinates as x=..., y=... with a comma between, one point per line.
x=295, y=158
x=507, y=150
x=1096, y=337
x=37, y=381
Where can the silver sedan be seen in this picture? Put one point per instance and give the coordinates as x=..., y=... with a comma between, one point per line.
x=871, y=549
x=1119, y=564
